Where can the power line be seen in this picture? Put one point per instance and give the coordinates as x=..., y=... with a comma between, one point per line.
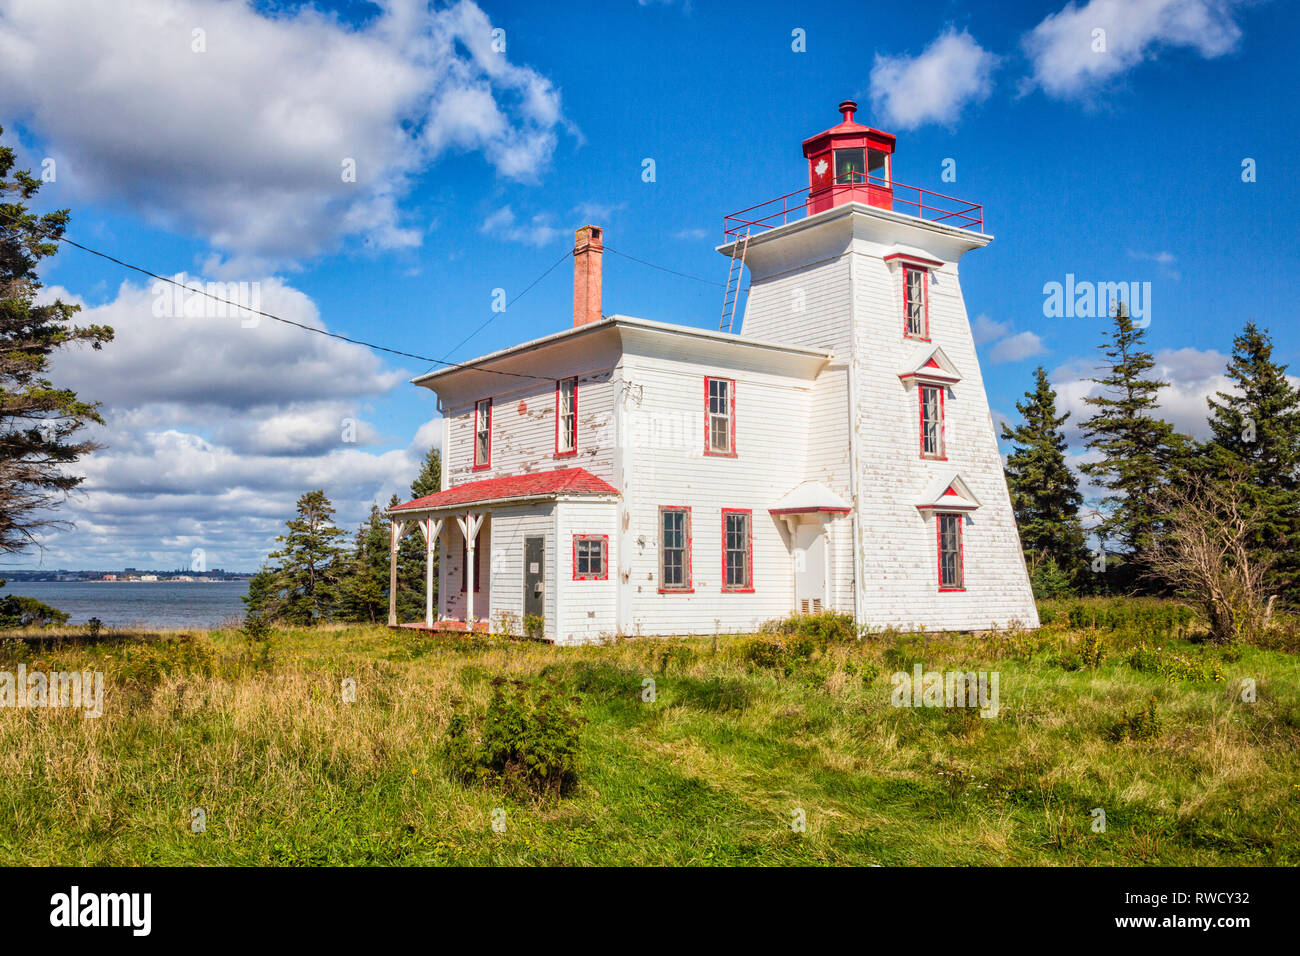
x=530, y=285
x=684, y=275
x=344, y=338
x=299, y=325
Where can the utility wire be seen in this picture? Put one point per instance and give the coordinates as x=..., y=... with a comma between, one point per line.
x=299, y=325
x=684, y=275
x=530, y=285
x=344, y=338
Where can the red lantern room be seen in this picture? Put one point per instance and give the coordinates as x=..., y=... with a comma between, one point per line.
x=849, y=163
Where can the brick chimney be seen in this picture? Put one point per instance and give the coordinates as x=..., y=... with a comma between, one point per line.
x=588, y=251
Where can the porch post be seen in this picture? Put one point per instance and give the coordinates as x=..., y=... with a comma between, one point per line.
x=432, y=529
x=394, y=530
x=469, y=525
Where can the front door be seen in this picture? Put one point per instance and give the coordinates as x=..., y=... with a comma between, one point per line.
x=534, y=577
x=810, y=567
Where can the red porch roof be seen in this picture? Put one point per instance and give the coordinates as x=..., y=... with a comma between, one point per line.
x=541, y=484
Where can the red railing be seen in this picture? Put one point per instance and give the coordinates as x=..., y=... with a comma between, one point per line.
x=875, y=192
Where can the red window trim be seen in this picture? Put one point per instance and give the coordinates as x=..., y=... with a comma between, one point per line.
x=913, y=260
x=689, y=586
x=731, y=431
x=961, y=548
x=604, y=557
x=943, y=421
x=478, y=567
x=574, y=450
x=478, y=465
x=749, y=551
x=925, y=296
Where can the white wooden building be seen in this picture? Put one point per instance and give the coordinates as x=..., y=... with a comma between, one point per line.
x=628, y=476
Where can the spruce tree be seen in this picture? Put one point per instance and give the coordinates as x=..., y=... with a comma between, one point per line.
x=1045, y=492
x=1255, y=435
x=39, y=420
x=302, y=588
x=1140, y=452
x=363, y=593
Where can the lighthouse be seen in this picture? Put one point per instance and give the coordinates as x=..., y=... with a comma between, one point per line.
x=632, y=475
x=867, y=269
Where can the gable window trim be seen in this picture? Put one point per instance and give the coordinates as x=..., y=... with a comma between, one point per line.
x=940, y=452
x=567, y=430
x=908, y=270
x=747, y=587
x=582, y=543
x=958, y=563
x=687, y=584
x=484, y=429
x=728, y=414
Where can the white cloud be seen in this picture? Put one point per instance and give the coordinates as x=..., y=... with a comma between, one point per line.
x=987, y=330
x=244, y=144
x=954, y=71
x=1167, y=262
x=1064, y=47
x=213, y=430
x=1016, y=348
x=538, y=231
x=1193, y=376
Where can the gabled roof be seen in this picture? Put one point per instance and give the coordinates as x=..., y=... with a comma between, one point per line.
x=931, y=365
x=808, y=498
x=948, y=494
x=562, y=482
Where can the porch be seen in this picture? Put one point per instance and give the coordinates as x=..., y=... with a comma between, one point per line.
x=493, y=545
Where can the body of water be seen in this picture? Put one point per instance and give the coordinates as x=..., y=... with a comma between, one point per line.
x=162, y=604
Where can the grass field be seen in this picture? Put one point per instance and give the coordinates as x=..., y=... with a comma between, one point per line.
x=744, y=734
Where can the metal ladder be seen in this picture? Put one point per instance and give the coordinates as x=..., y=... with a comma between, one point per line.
x=735, y=272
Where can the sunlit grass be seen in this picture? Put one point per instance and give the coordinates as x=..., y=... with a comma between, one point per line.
x=714, y=771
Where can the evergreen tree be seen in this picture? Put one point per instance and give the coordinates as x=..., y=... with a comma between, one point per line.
x=302, y=588
x=1044, y=492
x=38, y=420
x=1140, y=452
x=363, y=593
x=1255, y=435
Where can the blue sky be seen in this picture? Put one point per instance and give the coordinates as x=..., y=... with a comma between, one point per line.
x=474, y=164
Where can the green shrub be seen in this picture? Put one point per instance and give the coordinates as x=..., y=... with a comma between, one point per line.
x=1172, y=666
x=19, y=611
x=1089, y=654
x=143, y=666
x=1139, y=618
x=528, y=741
x=1142, y=724
x=718, y=695
x=669, y=653
x=828, y=627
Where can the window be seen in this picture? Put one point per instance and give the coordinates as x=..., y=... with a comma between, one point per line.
x=719, y=416
x=736, y=550
x=932, y=398
x=951, y=572
x=464, y=566
x=675, y=549
x=849, y=166
x=483, y=433
x=566, y=416
x=915, y=307
x=590, y=554
x=878, y=165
